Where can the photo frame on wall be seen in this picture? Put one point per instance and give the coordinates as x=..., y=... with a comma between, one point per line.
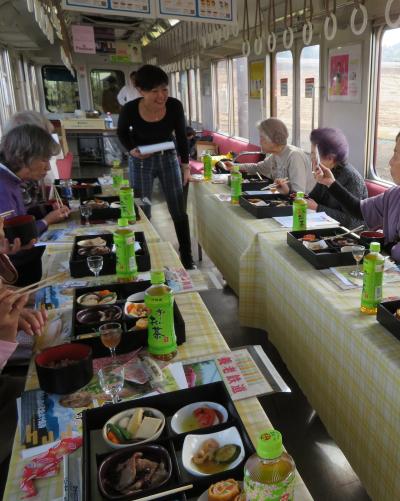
x=345, y=74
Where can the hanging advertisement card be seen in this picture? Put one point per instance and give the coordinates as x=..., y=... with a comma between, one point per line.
x=344, y=74
x=257, y=72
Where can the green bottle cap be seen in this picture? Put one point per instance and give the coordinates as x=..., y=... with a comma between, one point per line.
x=124, y=182
x=123, y=221
x=236, y=168
x=116, y=163
x=375, y=247
x=157, y=277
x=269, y=444
x=300, y=194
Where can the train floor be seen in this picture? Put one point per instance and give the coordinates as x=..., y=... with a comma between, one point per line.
x=322, y=465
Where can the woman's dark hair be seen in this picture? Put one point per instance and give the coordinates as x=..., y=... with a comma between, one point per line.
x=24, y=144
x=398, y=136
x=331, y=142
x=148, y=77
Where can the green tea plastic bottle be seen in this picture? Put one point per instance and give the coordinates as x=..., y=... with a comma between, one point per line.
x=124, y=240
x=299, y=212
x=373, y=265
x=269, y=474
x=236, y=185
x=117, y=174
x=161, y=331
x=127, y=201
x=207, y=165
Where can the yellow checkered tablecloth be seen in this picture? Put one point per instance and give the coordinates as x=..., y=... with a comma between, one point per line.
x=203, y=337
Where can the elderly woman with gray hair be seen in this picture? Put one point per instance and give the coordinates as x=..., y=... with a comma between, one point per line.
x=284, y=160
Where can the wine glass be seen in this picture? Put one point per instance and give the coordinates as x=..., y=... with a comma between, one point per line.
x=358, y=252
x=111, y=379
x=95, y=264
x=110, y=335
x=86, y=212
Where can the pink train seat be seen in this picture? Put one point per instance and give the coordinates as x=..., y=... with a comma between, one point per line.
x=64, y=166
x=374, y=188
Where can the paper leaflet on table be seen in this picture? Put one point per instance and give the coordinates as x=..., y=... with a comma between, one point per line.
x=246, y=372
x=58, y=296
x=314, y=220
x=223, y=197
x=72, y=469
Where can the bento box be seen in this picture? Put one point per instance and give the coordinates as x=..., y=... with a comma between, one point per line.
x=103, y=245
x=110, y=211
x=96, y=451
x=251, y=182
x=112, y=307
x=332, y=254
x=267, y=205
x=386, y=315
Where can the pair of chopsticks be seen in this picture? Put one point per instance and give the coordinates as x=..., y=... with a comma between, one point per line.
x=354, y=230
x=275, y=185
x=7, y=213
x=42, y=283
x=58, y=198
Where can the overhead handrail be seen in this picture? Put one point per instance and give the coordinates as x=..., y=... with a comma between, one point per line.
x=308, y=26
x=288, y=25
x=389, y=22
x=246, y=30
x=258, y=29
x=271, y=41
x=359, y=5
x=330, y=18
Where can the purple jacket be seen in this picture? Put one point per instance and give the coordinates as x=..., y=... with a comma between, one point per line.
x=11, y=196
x=7, y=348
x=383, y=211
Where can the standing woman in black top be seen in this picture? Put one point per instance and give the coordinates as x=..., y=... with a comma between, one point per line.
x=150, y=119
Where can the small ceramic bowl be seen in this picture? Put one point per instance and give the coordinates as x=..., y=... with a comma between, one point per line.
x=22, y=227
x=135, y=310
x=97, y=314
x=118, y=417
x=366, y=237
x=192, y=444
x=182, y=415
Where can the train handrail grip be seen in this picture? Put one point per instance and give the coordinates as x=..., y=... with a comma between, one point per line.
x=271, y=42
x=332, y=17
x=217, y=35
x=187, y=63
x=364, y=23
x=225, y=32
x=246, y=48
x=235, y=29
x=203, y=42
x=287, y=45
x=389, y=22
x=307, y=26
x=258, y=46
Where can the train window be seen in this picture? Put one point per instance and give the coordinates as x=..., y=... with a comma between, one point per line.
x=172, y=85
x=198, y=96
x=240, y=97
x=195, y=96
x=309, y=93
x=388, y=106
x=34, y=87
x=284, y=90
x=222, y=96
x=185, y=93
x=106, y=85
x=7, y=101
x=60, y=89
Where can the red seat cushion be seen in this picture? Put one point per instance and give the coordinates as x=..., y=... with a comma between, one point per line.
x=375, y=188
x=196, y=167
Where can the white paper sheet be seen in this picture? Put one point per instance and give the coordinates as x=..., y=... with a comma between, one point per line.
x=314, y=220
x=155, y=148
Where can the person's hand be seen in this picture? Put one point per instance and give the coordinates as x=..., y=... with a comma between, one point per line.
x=282, y=186
x=58, y=215
x=136, y=153
x=186, y=177
x=323, y=175
x=312, y=204
x=32, y=321
x=228, y=165
x=11, y=305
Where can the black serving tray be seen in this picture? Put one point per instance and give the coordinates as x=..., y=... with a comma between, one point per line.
x=102, y=215
x=78, y=266
x=95, y=448
x=82, y=192
x=264, y=212
x=325, y=258
x=252, y=182
x=129, y=340
x=386, y=316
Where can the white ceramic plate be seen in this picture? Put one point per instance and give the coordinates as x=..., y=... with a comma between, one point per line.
x=156, y=413
x=192, y=444
x=134, y=298
x=182, y=414
x=92, y=242
x=132, y=315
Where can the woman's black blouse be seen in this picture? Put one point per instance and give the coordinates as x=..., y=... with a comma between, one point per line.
x=144, y=133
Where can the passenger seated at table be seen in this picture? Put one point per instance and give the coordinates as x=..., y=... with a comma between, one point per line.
x=284, y=161
x=381, y=211
x=24, y=155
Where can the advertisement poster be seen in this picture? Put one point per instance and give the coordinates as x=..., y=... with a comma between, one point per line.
x=198, y=10
x=83, y=39
x=284, y=87
x=309, y=84
x=130, y=8
x=344, y=78
x=257, y=72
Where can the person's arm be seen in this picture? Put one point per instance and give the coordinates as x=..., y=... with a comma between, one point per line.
x=124, y=122
x=180, y=133
x=297, y=172
x=346, y=199
x=264, y=167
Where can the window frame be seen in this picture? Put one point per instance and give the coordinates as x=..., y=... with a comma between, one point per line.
x=105, y=70
x=46, y=102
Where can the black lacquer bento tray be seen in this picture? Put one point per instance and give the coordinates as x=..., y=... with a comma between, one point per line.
x=326, y=258
x=78, y=265
x=102, y=215
x=386, y=316
x=129, y=340
x=252, y=182
x=95, y=449
x=82, y=192
x=270, y=211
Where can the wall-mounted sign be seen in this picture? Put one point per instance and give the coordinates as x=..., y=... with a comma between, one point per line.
x=257, y=72
x=344, y=74
x=126, y=53
x=83, y=39
x=309, y=84
x=131, y=8
x=205, y=11
x=284, y=87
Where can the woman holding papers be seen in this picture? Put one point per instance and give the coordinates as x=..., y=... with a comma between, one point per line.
x=151, y=119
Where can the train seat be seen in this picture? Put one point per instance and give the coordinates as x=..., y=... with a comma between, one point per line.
x=64, y=166
x=374, y=188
